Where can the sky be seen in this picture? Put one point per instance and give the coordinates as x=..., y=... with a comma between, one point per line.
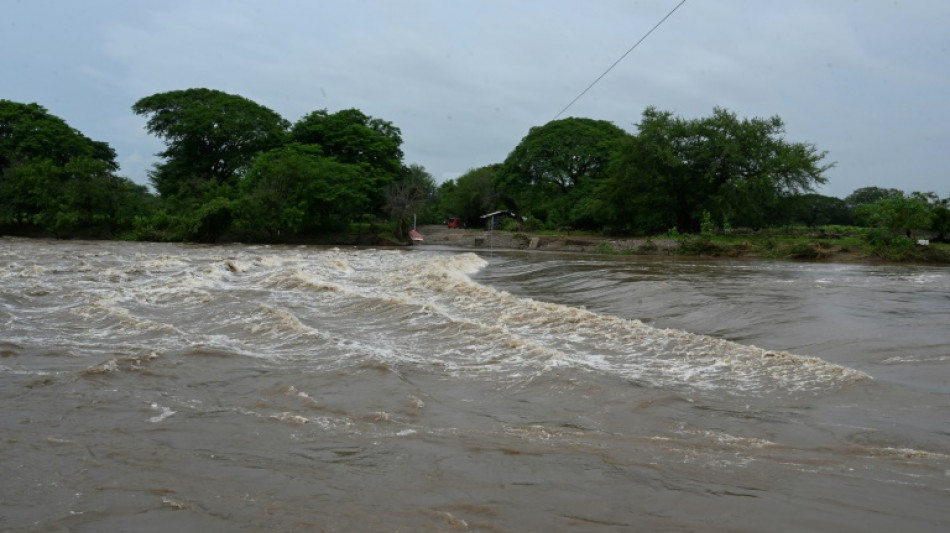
x=868, y=81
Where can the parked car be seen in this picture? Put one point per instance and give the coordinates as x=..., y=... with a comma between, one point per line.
x=454, y=223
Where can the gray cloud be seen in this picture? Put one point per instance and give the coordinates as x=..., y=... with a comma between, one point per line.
x=465, y=80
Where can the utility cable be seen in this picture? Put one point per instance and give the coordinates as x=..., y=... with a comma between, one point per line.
x=625, y=54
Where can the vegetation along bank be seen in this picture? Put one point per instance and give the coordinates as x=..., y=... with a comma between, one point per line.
x=234, y=170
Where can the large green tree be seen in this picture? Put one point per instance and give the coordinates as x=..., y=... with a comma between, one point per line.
x=813, y=209
x=55, y=180
x=29, y=131
x=940, y=222
x=471, y=195
x=93, y=201
x=894, y=219
x=870, y=195
x=675, y=172
x=555, y=167
x=295, y=191
x=350, y=136
x=648, y=184
x=211, y=137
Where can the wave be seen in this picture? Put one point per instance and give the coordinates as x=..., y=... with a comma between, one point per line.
x=492, y=330
x=333, y=308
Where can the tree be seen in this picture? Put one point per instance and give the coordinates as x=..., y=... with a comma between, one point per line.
x=91, y=196
x=649, y=184
x=29, y=131
x=939, y=213
x=28, y=193
x=893, y=219
x=737, y=171
x=749, y=169
x=870, y=195
x=295, y=191
x=814, y=209
x=211, y=137
x=941, y=221
x=56, y=180
x=407, y=196
x=556, y=165
x=352, y=137
x=471, y=195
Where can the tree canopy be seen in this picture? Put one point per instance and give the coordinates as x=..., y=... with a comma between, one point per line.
x=352, y=137
x=234, y=169
x=678, y=171
x=556, y=165
x=294, y=190
x=471, y=195
x=408, y=196
x=870, y=195
x=211, y=137
x=234, y=166
x=29, y=131
x=56, y=180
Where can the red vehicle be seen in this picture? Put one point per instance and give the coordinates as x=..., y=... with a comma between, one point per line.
x=454, y=223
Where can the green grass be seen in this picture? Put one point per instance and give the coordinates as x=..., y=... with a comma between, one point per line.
x=812, y=244
x=825, y=243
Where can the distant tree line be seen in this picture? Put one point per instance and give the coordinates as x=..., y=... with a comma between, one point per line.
x=678, y=175
x=233, y=169
x=56, y=181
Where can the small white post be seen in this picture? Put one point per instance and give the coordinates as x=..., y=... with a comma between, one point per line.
x=491, y=236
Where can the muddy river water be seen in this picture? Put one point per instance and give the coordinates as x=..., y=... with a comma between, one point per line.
x=166, y=387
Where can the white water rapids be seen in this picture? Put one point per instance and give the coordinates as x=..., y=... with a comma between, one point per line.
x=159, y=386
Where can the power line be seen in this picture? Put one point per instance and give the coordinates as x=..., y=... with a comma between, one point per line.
x=647, y=34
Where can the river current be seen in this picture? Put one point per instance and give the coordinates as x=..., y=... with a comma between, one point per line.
x=168, y=387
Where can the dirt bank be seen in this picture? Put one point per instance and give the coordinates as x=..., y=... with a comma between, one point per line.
x=503, y=240
x=814, y=248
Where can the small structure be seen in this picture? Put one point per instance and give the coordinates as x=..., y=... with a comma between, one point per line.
x=492, y=221
x=493, y=218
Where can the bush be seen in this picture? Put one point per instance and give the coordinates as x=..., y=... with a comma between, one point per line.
x=700, y=245
x=647, y=247
x=807, y=250
x=606, y=247
x=509, y=224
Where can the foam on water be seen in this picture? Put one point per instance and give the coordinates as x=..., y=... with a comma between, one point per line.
x=334, y=307
x=156, y=378
x=540, y=336
x=486, y=330
x=164, y=413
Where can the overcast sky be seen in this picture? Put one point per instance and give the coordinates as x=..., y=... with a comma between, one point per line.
x=866, y=80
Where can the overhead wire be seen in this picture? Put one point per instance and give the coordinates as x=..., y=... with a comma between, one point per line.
x=625, y=54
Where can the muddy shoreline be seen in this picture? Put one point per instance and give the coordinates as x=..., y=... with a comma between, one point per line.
x=503, y=240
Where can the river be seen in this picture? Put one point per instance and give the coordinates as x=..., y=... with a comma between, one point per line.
x=169, y=387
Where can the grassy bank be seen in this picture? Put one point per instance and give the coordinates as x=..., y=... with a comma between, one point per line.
x=829, y=243
x=814, y=244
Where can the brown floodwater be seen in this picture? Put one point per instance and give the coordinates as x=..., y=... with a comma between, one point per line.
x=166, y=387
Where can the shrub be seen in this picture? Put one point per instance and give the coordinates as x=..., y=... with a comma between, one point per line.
x=807, y=250
x=701, y=245
x=648, y=247
x=509, y=224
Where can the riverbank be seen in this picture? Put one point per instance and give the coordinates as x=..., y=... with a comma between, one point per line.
x=817, y=245
x=506, y=240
